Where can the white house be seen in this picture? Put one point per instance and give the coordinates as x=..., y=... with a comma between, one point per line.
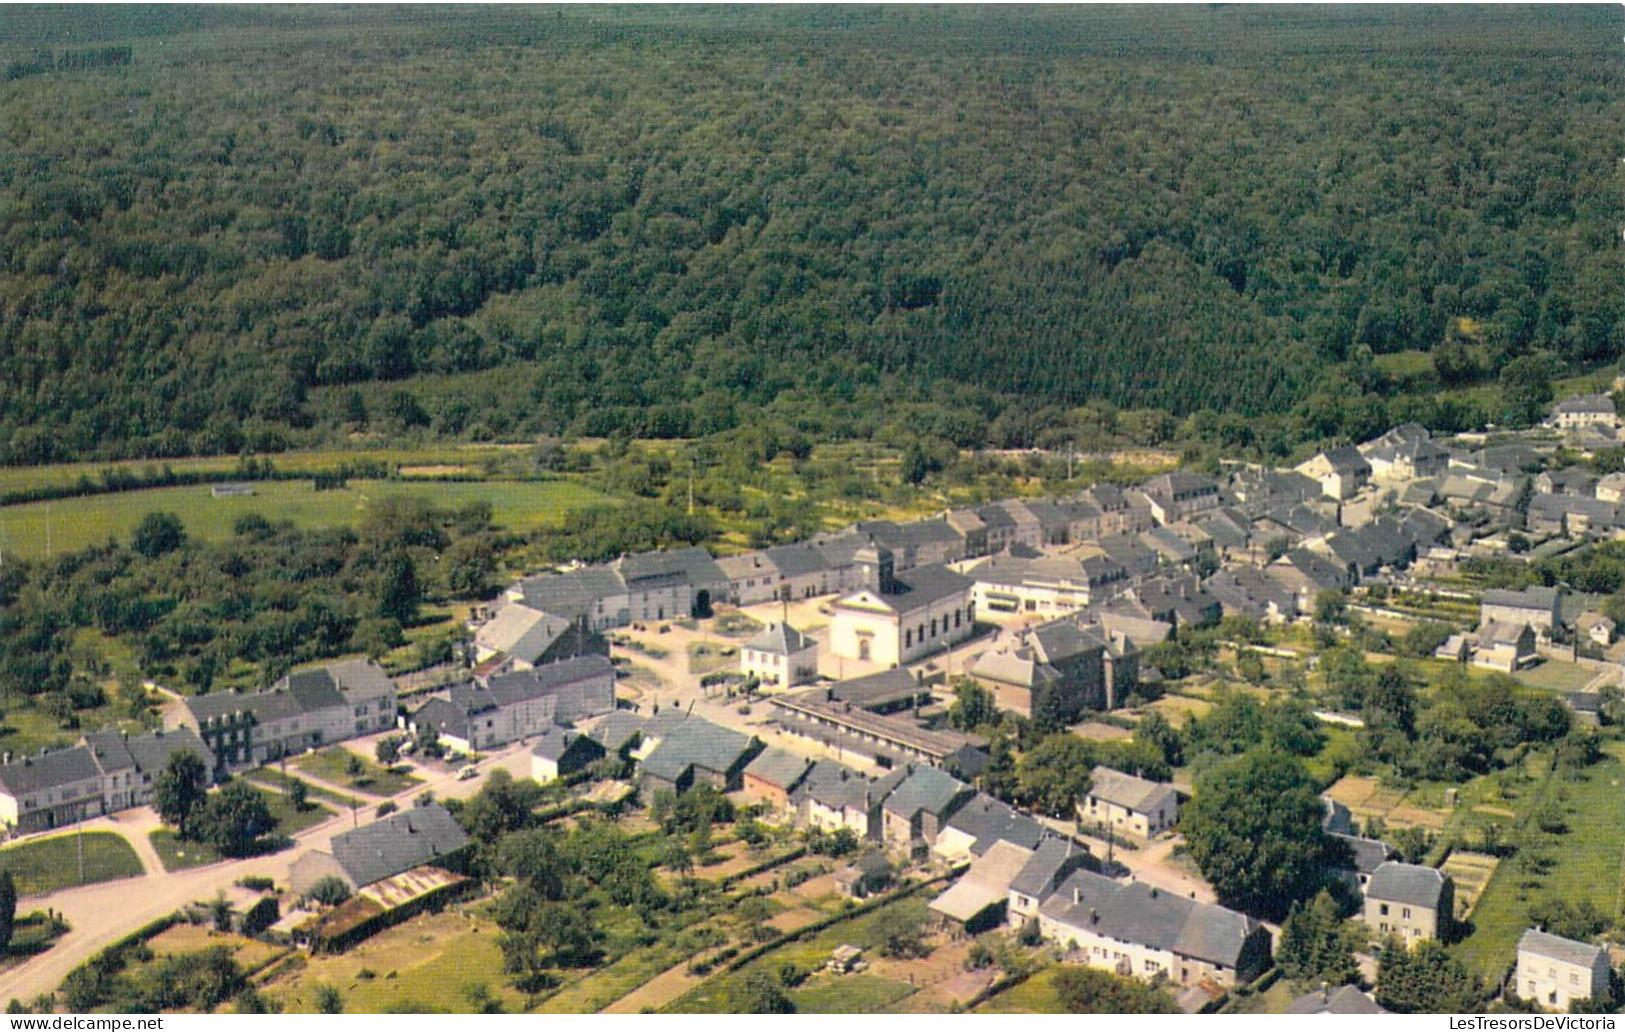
x=780, y=655
x=1554, y=971
x=1584, y=411
x=1124, y=802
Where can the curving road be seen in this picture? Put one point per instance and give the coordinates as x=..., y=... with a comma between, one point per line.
x=102, y=914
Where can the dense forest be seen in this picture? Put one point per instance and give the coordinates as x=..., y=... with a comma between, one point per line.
x=238, y=229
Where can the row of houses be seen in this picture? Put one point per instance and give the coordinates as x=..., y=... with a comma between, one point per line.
x=304, y=710
x=494, y=709
x=104, y=773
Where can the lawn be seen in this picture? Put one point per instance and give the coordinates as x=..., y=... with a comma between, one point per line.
x=1034, y=996
x=1558, y=676
x=75, y=523
x=51, y=864
x=1587, y=864
x=30, y=936
x=849, y=994
x=270, y=777
x=708, y=658
x=178, y=855
x=340, y=766
x=426, y=964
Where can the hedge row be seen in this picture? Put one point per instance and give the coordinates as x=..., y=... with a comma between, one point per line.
x=766, y=865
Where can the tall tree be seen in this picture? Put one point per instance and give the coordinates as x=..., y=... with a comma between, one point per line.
x=8, y=910
x=180, y=790
x=1253, y=827
x=1315, y=946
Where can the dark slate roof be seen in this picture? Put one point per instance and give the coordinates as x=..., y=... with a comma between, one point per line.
x=988, y=820
x=875, y=691
x=797, y=560
x=1320, y=571
x=1060, y=640
x=1128, y=791
x=554, y=742
x=661, y=724
x=924, y=585
x=1406, y=883
x=48, y=770
x=781, y=640
x=1347, y=459
x=314, y=689
x=926, y=789
x=573, y=592
x=778, y=767
x=397, y=843
x=1569, y=951
x=360, y=679
x=1345, y=999
x=1528, y=598
x=264, y=706
x=151, y=751
x=1369, y=854
x=696, y=743
x=519, y=685
x=446, y=716
x=692, y=565
x=1045, y=865
x=837, y=786
x=617, y=728
x=1339, y=819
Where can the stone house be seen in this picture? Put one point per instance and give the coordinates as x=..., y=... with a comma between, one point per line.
x=1409, y=901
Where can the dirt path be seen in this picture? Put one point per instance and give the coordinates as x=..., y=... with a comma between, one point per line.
x=657, y=991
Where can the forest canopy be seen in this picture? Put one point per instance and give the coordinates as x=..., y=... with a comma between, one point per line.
x=245, y=229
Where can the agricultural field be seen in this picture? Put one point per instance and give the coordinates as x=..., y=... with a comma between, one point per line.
x=46, y=865
x=866, y=931
x=1586, y=862
x=34, y=529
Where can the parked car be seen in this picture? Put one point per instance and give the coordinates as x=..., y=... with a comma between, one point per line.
x=468, y=773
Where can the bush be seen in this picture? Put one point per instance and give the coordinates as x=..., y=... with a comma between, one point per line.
x=330, y=891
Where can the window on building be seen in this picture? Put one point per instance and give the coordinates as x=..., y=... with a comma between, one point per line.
x=1382, y=908
x=908, y=639
x=1406, y=914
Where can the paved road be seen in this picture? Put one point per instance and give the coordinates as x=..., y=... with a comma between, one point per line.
x=101, y=914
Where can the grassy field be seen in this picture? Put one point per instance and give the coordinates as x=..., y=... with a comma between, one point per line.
x=352, y=770
x=51, y=864
x=177, y=855
x=1588, y=864
x=424, y=965
x=1557, y=676
x=73, y=523
x=464, y=458
x=1034, y=996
